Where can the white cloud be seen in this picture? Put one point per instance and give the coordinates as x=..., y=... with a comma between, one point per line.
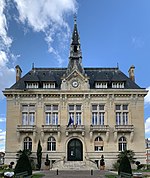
x=6, y=74
x=6, y=56
x=2, y=118
x=147, y=97
x=147, y=125
x=4, y=38
x=2, y=140
x=43, y=13
x=47, y=16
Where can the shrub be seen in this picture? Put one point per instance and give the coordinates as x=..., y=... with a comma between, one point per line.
x=125, y=166
x=129, y=153
x=102, y=163
x=11, y=165
x=116, y=166
x=47, y=162
x=23, y=164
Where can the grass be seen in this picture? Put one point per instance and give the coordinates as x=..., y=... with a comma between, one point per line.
x=37, y=175
x=110, y=176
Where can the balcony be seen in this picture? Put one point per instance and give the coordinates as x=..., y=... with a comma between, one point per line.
x=124, y=128
x=50, y=128
x=26, y=128
x=99, y=128
x=53, y=129
x=75, y=129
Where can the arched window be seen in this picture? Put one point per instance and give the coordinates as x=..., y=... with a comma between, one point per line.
x=98, y=144
x=28, y=143
x=122, y=144
x=51, y=144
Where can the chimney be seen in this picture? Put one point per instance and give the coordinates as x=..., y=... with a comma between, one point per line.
x=131, y=73
x=18, y=73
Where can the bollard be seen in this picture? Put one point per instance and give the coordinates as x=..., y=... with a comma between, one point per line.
x=91, y=171
x=57, y=172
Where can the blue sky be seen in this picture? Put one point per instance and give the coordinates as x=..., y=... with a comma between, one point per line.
x=39, y=32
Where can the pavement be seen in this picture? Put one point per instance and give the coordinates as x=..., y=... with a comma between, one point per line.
x=80, y=173
x=75, y=174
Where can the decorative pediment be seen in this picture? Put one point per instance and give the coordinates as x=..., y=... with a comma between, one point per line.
x=75, y=81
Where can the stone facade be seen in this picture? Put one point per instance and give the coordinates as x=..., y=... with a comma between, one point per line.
x=79, y=114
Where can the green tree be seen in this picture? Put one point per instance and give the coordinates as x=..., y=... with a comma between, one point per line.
x=23, y=164
x=27, y=152
x=125, y=165
x=39, y=155
x=129, y=153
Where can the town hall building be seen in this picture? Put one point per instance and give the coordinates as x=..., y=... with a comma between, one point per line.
x=78, y=114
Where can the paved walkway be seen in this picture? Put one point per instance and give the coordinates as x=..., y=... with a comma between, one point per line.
x=75, y=174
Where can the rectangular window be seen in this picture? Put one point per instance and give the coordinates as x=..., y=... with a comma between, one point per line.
x=101, y=85
x=51, y=114
x=75, y=114
x=117, y=84
x=48, y=118
x=98, y=114
x=31, y=118
x=125, y=107
x=32, y=85
x=121, y=114
x=24, y=118
x=118, y=107
x=28, y=114
x=98, y=148
x=49, y=85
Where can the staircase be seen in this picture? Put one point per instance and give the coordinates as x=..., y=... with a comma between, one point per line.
x=74, y=165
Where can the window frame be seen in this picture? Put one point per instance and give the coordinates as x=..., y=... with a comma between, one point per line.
x=51, y=144
x=27, y=143
x=122, y=144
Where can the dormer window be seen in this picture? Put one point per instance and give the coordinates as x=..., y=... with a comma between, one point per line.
x=32, y=85
x=101, y=85
x=117, y=84
x=48, y=85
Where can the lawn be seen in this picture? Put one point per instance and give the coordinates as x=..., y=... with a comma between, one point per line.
x=110, y=176
x=37, y=175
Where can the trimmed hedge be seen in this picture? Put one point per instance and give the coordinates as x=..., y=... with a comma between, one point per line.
x=23, y=164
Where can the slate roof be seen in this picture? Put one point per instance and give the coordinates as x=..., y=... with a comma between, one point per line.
x=55, y=75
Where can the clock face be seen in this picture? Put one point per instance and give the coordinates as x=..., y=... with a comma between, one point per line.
x=75, y=83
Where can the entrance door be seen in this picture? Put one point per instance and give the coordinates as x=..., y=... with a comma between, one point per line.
x=75, y=150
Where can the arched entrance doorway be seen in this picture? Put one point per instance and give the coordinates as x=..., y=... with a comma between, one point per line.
x=75, y=150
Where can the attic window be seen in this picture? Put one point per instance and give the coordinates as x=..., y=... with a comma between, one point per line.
x=117, y=84
x=101, y=85
x=32, y=85
x=48, y=85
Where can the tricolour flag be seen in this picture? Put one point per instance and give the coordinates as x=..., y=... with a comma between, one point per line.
x=70, y=121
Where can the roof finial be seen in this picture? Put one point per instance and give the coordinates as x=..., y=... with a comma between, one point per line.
x=117, y=65
x=32, y=65
x=75, y=18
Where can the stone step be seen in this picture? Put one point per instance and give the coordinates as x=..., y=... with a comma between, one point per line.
x=74, y=165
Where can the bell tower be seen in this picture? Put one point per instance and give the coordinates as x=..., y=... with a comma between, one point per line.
x=75, y=77
x=75, y=57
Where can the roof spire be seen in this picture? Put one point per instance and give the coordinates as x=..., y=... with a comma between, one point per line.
x=75, y=35
x=75, y=18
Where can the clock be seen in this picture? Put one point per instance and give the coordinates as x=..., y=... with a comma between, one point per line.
x=75, y=83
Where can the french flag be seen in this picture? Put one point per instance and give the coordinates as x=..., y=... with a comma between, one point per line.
x=70, y=122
